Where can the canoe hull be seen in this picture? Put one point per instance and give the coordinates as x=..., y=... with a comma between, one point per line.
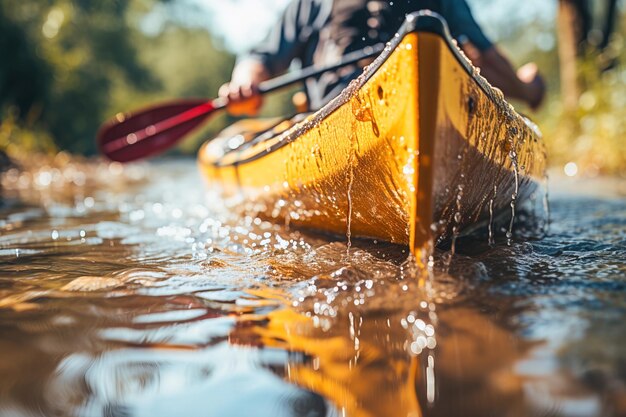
x=417, y=149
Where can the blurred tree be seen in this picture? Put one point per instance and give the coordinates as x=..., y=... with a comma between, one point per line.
x=569, y=24
x=95, y=47
x=67, y=65
x=609, y=23
x=590, y=129
x=62, y=56
x=588, y=24
x=576, y=38
x=24, y=76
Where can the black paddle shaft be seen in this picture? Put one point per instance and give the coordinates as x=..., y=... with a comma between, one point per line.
x=314, y=70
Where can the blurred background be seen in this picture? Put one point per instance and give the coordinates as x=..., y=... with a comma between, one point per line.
x=67, y=65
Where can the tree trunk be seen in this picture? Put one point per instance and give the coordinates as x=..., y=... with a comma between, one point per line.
x=584, y=22
x=609, y=24
x=568, y=46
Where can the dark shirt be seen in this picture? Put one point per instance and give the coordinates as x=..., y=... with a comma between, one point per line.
x=320, y=32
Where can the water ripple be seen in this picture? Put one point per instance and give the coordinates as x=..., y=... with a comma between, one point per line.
x=124, y=295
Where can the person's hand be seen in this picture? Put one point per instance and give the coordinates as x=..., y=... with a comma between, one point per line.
x=535, y=90
x=242, y=92
x=243, y=99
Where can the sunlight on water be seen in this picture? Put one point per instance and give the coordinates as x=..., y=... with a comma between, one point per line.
x=134, y=291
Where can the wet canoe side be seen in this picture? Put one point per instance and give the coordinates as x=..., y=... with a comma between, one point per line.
x=418, y=138
x=484, y=154
x=354, y=159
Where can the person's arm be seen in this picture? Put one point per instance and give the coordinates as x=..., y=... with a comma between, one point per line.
x=526, y=84
x=272, y=57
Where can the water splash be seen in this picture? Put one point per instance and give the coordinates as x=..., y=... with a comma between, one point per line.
x=514, y=162
x=457, y=218
x=491, y=236
x=349, y=213
x=546, y=206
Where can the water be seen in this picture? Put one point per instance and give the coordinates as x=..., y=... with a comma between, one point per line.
x=137, y=292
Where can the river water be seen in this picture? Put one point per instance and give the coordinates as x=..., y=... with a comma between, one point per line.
x=137, y=291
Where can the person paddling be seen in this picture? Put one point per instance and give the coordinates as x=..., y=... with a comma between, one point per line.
x=320, y=32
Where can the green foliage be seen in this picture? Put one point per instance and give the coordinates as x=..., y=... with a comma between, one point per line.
x=594, y=135
x=18, y=139
x=24, y=76
x=70, y=64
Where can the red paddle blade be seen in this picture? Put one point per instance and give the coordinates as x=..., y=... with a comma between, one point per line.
x=148, y=132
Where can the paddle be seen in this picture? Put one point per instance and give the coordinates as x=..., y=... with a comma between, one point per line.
x=147, y=132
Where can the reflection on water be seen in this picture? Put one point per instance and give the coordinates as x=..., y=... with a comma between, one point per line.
x=137, y=292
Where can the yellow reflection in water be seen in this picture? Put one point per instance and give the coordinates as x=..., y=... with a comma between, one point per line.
x=360, y=363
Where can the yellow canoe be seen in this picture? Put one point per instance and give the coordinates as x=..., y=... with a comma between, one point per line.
x=417, y=149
